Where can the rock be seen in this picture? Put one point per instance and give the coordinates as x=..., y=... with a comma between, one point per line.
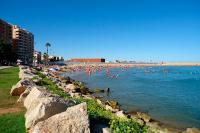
x=63, y=86
x=17, y=89
x=63, y=81
x=23, y=96
x=73, y=120
x=120, y=114
x=107, y=107
x=28, y=83
x=21, y=72
x=192, y=130
x=75, y=94
x=36, y=92
x=37, y=81
x=153, y=125
x=144, y=116
x=66, y=80
x=21, y=86
x=113, y=104
x=26, y=74
x=84, y=90
x=43, y=108
x=55, y=80
x=70, y=87
x=141, y=122
x=76, y=82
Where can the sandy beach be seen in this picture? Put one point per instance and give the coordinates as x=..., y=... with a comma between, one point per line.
x=135, y=64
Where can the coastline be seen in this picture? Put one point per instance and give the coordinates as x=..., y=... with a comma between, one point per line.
x=135, y=112
x=49, y=82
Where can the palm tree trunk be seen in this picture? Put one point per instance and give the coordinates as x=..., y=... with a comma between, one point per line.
x=47, y=56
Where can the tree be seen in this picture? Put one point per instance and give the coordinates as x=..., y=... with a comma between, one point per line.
x=47, y=53
x=45, y=57
x=47, y=46
x=7, y=53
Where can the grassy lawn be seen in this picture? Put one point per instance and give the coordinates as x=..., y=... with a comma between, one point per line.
x=8, y=77
x=10, y=122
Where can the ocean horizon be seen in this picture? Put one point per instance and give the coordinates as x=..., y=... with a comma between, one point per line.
x=169, y=94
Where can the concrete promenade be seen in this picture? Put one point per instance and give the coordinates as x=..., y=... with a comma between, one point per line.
x=4, y=67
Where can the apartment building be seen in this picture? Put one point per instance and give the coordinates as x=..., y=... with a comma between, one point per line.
x=5, y=32
x=23, y=44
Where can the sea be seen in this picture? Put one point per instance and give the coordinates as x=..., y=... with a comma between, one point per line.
x=169, y=94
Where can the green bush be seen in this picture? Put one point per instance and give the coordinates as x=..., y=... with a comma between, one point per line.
x=98, y=112
x=126, y=126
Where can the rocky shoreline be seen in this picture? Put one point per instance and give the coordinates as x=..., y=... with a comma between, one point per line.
x=48, y=112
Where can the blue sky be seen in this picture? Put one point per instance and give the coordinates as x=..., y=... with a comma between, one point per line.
x=142, y=30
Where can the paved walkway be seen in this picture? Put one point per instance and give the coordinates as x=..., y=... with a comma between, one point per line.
x=10, y=110
x=4, y=67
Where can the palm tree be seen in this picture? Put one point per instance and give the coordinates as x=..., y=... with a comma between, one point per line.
x=47, y=46
x=45, y=57
x=47, y=53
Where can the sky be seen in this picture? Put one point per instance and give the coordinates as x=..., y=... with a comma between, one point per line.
x=140, y=30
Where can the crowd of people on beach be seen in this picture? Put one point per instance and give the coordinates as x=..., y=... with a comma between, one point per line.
x=92, y=69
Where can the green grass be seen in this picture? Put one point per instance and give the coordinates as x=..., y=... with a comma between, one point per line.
x=53, y=88
x=8, y=77
x=97, y=113
x=12, y=123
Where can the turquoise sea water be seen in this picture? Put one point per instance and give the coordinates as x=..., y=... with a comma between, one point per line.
x=168, y=94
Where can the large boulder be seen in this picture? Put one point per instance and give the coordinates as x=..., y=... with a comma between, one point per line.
x=36, y=92
x=21, y=86
x=17, y=89
x=43, y=108
x=23, y=96
x=25, y=73
x=73, y=120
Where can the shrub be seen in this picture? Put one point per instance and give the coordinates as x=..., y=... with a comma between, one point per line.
x=126, y=126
